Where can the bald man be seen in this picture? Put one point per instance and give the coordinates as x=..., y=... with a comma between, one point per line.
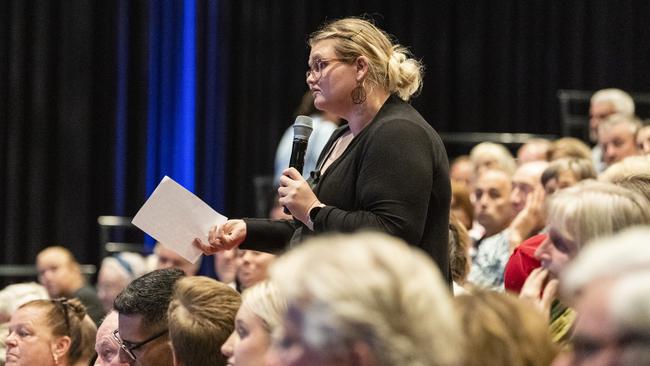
x=60, y=274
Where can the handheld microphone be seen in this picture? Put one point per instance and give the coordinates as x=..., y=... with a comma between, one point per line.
x=302, y=129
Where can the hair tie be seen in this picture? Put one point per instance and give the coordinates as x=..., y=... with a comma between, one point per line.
x=124, y=264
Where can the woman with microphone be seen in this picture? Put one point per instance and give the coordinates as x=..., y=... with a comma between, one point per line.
x=385, y=170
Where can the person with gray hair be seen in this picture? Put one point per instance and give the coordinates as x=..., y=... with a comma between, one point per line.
x=609, y=286
x=488, y=155
x=605, y=103
x=364, y=299
x=617, y=138
x=566, y=172
x=115, y=273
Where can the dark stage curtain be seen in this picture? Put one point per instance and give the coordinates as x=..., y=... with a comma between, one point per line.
x=60, y=99
x=75, y=96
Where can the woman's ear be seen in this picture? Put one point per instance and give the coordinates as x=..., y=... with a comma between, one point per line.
x=60, y=346
x=361, y=64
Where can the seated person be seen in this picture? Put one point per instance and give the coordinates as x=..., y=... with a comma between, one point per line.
x=201, y=316
x=350, y=297
x=115, y=273
x=142, y=331
x=49, y=333
x=258, y=317
x=533, y=150
x=61, y=275
x=106, y=346
x=164, y=257
x=252, y=267
x=11, y=297
x=501, y=330
x=617, y=137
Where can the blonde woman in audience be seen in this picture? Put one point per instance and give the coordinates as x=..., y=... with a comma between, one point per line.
x=200, y=317
x=364, y=299
x=11, y=297
x=488, y=155
x=115, y=273
x=258, y=317
x=575, y=216
x=50, y=332
x=501, y=330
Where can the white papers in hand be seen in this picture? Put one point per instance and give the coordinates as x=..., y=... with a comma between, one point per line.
x=174, y=216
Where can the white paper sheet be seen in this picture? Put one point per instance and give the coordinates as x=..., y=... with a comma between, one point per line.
x=174, y=216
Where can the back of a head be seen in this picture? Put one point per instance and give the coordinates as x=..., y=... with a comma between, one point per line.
x=67, y=317
x=390, y=65
x=569, y=147
x=201, y=316
x=264, y=300
x=374, y=289
x=12, y=296
x=149, y=296
x=622, y=101
x=631, y=165
x=502, y=331
x=593, y=209
x=496, y=153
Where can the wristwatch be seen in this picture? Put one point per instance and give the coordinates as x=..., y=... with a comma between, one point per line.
x=314, y=212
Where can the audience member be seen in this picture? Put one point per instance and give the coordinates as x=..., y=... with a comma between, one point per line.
x=575, y=216
x=462, y=172
x=643, y=139
x=617, y=138
x=11, y=297
x=259, y=316
x=50, y=332
x=115, y=273
x=605, y=103
x=461, y=205
x=225, y=266
x=629, y=166
x=639, y=183
x=252, y=267
x=460, y=261
x=142, y=318
x=201, y=316
x=324, y=123
x=569, y=147
x=106, y=346
x=527, y=200
x=488, y=155
x=167, y=258
x=566, y=172
x=500, y=330
x=609, y=286
x=61, y=275
x=364, y=299
x=533, y=150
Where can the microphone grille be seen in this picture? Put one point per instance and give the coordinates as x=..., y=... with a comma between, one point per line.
x=302, y=127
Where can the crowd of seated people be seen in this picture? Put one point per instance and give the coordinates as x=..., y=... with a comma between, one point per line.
x=548, y=256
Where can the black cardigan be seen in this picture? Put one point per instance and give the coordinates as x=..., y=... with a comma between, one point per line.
x=393, y=177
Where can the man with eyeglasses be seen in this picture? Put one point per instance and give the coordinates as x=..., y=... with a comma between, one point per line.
x=142, y=318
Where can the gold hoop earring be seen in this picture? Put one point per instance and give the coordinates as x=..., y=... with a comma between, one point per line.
x=358, y=94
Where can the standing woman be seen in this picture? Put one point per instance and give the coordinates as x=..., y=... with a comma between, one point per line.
x=386, y=169
x=50, y=332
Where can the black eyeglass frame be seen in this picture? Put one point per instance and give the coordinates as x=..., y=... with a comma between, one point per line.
x=129, y=350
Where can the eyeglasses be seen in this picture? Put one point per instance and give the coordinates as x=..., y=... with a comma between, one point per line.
x=316, y=68
x=129, y=350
